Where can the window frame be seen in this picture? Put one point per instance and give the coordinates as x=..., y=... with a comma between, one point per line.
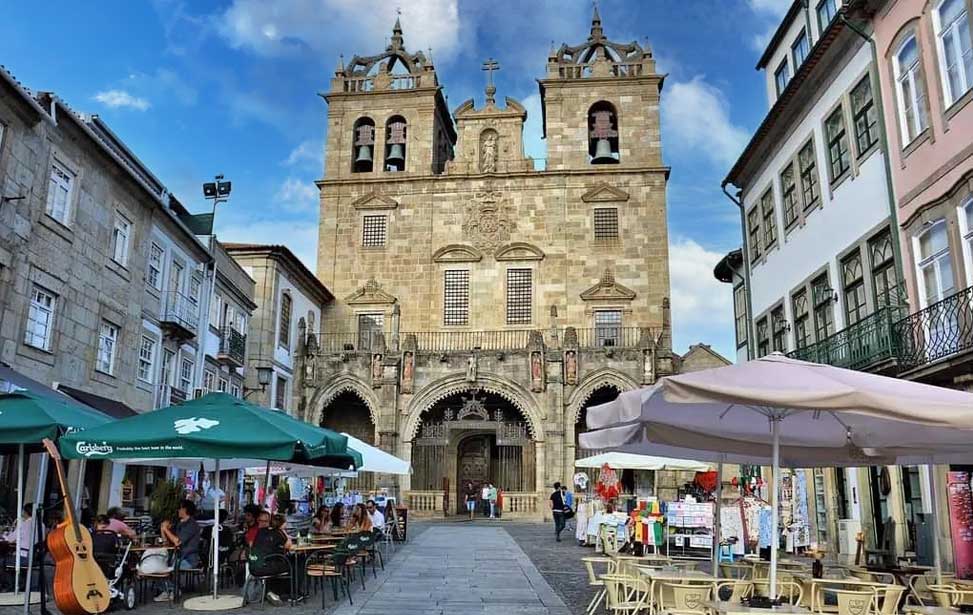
x=833, y=10
x=610, y=230
x=853, y=290
x=107, y=352
x=935, y=260
x=377, y=318
x=950, y=97
x=740, y=315
x=803, y=337
x=965, y=213
x=154, y=271
x=803, y=41
x=763, y=336
x=209, y=380
x=235, y=390
x=789, y=196
x=374, y=236
x=809, y=176
x=768, y=218
x=818, y=304
x=68, y=175
x=456, y=298
x=50, y=311
x=883, y=267
x=778, y=329
x=166, y=371
x=186, y=382
x=121, y=238
x=782, y=69
x=222, y=385
x=753, y=233
x=610, y=330
x=280, y=393
x=523, y=303
x=284, y=317
x=148, y=363
x=918, y=101
x=872, y=129
x=840, y=140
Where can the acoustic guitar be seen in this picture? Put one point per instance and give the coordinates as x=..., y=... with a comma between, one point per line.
x=80, y=586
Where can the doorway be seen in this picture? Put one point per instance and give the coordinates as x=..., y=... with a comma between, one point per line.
x=472, y=465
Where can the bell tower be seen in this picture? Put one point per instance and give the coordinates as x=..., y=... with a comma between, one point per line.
x=601, y=104
x=387, y=115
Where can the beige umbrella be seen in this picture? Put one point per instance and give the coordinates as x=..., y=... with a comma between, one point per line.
x=795, y=414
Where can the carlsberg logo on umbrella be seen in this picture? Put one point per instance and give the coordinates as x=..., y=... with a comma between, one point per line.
x=92, y=448
x=192, y=425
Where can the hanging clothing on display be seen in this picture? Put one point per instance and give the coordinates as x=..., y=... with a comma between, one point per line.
x=764, y=534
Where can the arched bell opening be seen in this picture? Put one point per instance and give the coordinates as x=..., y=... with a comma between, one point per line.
x=363, y=146
x=395, y=143
x=603, y=134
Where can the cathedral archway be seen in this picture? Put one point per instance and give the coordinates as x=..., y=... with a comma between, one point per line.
x=348, y=412
x=476, y=437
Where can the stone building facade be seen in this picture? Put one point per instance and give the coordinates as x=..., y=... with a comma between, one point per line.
x=481, y=304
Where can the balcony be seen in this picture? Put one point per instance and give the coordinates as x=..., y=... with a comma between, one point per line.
x=869, y=343
x=938, y=332
x=502, y=340
x=180, y=316
x=233, y=347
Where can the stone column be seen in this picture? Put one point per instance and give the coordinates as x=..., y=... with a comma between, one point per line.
x=540, y=479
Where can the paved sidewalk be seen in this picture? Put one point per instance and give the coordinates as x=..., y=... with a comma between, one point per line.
x=458, y=569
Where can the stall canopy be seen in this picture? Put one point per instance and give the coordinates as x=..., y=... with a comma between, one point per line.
x=215, y=426
x=631, y=461
x=795, y=413
x=376, y=460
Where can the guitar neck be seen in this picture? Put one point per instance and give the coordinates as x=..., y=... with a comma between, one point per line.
x=68, y=499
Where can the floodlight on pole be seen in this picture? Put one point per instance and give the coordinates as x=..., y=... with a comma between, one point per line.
x=217, y=191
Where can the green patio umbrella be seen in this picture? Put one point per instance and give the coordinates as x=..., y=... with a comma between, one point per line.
x=215, y=426
x=26, y=418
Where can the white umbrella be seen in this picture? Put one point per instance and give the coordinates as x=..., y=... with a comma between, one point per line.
x=632, y=461
x=795, y=413
x=375, y=459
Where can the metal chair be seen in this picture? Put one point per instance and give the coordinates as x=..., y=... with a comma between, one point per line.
x=855, y=602
x=624, y=594
x=919, y=587
x=595, y=581
x=687, y=598
x=949, y=595
x=323, y=565
x=279, y=566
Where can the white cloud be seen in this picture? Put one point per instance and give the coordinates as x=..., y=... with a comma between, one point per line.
x=702, y=308
x=301, y=236
x=760, y=40
x=297, y=196
x=695, y=118
x=533, y=143
x=272, y=28
x=308, y=153
x=117, y=99
x=775, y=8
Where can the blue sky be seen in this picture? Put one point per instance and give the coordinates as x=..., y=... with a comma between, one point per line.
x=197, y=88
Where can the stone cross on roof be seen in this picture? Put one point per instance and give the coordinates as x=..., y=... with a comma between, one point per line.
x=489, y=66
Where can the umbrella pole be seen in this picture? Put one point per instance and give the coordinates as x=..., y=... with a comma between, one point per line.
x=937, y=557
x=41, y=483
x=216, y=528
x=20, y=512
x=774, y=487
x=716, y=521
x=266, y=485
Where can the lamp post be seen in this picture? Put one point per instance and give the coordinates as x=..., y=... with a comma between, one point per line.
x=217, y=191
x=264, y=375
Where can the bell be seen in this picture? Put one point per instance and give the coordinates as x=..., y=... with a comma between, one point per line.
x=364, y=155
x=396, y=154
x=603, y=153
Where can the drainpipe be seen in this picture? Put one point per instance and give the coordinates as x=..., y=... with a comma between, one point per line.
x=890, y=188
x=746, y=266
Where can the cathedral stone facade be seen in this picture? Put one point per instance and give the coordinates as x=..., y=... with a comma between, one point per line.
x=484, y=300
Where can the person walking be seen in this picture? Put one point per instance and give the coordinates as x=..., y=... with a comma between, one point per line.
x=485, y=499
x=567, y=496
x=469, y=498
x=492, y=497
x=557, y=511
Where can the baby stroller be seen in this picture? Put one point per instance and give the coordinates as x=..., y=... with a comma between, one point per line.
x=112, y=558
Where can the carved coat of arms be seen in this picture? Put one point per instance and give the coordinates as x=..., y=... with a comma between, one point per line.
x=487, y=225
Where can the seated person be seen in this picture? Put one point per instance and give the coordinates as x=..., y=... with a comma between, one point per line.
x=184, y=536
x=321, y=522
x=104, y=545
x=298, y=523
x=116, y=523
x=271, y=539
x=378, y=519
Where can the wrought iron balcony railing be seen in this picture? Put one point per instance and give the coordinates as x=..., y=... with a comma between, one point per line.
x=943, y=329
x=180, y=314
x=868, y=342
x=233, y=347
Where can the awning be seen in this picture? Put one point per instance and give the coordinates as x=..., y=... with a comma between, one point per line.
x=111, y=407
x=16, y=380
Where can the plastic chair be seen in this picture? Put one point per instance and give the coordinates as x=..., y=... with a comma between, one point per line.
x=855, y=602
x=687, y=598
x=919, y=587
x=625, y=594
x=949, y=596
x=889, y=596
x=322, y=565
x=594, y=579
x=737, y=571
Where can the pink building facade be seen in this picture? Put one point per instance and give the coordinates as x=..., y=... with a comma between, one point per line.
x=925, y=56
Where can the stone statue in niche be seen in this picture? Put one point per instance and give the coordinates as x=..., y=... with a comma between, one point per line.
x=648, y=366
x=571, y=367
x=471, y=368
x=488, y=151
x=408, y=371
x=536, y=372
x=377, y=370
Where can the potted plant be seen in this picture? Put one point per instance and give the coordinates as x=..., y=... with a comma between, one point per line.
x=164, y=501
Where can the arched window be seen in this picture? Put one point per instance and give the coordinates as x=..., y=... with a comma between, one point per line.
x=284, y=333
x=911, y=89
x=951, y=24
x=395, y=142
x=363, y=145
x=602, y=133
